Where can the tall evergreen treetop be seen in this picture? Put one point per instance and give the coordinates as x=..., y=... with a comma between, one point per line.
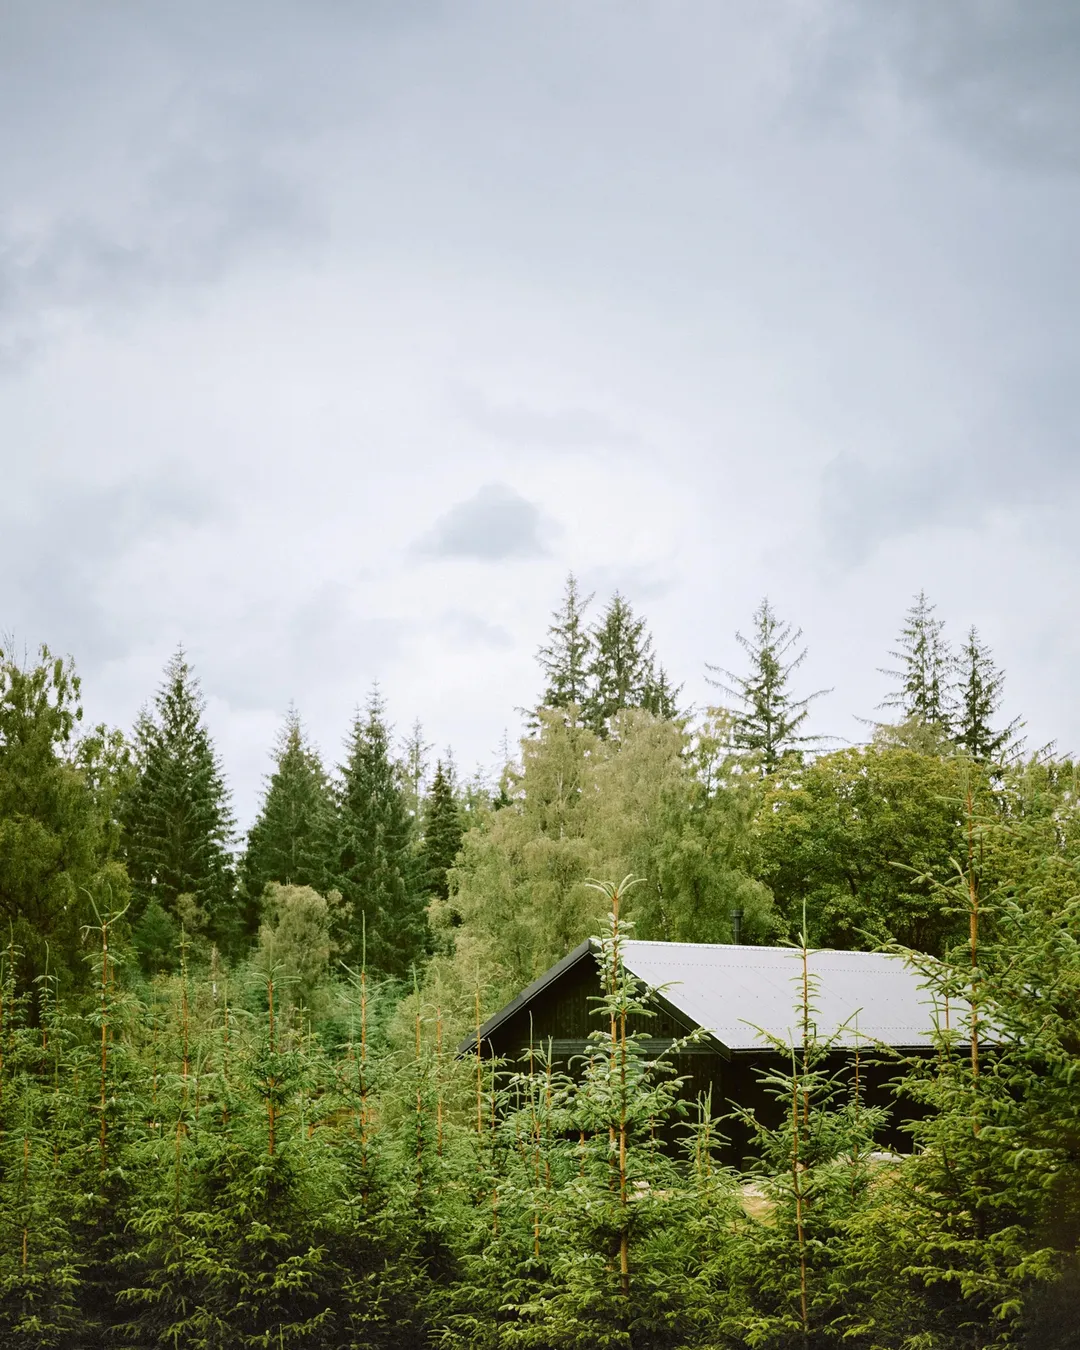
x=976, y=700
x=443, y=829
x=769, y=720
x=290, y=840
x=373, y=862
x=179, y=822
x=565, y=657
x=622, y=671
x=925, y=671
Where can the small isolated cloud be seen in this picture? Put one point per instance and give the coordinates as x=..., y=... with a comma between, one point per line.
x=495, y=524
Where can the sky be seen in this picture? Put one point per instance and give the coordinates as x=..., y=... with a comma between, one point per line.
x=333, y=335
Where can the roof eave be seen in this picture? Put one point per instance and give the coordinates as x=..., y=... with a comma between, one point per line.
x=571, y=959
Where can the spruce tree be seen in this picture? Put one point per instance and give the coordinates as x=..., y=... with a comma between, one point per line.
x=373, y=862
x=769, y=720
x=926, y=666
x=443, y=828
x=564, y=658
x=178, y=818
x=977, y=698
x=622, y=671
x=290, y=840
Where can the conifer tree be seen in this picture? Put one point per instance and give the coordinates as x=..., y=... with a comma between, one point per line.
x=415, y=765
x=55, y=815
x=622, y=672
x=443, y=829
x=926, y=665
x=564, y=658
x=768, y=722
x=290, y=840
x=977, y=698
x=178, y=818
x=373, y=854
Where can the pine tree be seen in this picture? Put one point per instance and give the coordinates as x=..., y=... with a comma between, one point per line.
x=622, y=672
x=443, y=829
x=55, y=815
x=658, y=696
x=768, y=723
x=977, y=699
x=415, y=767
x=926, y=665
x=373, y=855
x=564, y=658
x=178, y=818
x=290, y=840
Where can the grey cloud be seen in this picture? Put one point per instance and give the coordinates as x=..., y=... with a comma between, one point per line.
x=494, y=525
x=999, y=76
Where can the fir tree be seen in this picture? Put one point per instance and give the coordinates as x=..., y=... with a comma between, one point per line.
x=769, y=720
x=564, y=658
x=976, y=702
x=658, y=696
x=290, y=840
x=622, y=672
x=178, y=819
x=373, y=854
x=443, y=829
x=55, y=815
x=415, y=767
x=926, y=665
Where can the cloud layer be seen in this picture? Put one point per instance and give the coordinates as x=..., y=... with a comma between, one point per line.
x=332, y=336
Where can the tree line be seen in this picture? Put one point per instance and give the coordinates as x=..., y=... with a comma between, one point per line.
x=229, y=1102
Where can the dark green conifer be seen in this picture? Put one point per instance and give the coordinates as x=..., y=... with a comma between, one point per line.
x=564, y=658
x=926, y=664
x=290, y=840
x=978, y=690
x=443, y=828
x=768, y=722
x=374, y=863
x=622, y=672
x=56, y=794
x=178, y=818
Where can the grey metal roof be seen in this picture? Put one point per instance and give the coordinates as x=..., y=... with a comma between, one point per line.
x=732, y=991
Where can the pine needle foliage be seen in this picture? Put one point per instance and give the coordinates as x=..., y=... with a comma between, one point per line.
x=768, y=720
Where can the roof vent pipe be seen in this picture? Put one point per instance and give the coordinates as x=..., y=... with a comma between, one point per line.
x=736, y=925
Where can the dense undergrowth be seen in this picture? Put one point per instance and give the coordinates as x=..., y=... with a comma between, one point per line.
x=193, y=1163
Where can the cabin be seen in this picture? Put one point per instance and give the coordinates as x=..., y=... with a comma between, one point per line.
x=739, y=996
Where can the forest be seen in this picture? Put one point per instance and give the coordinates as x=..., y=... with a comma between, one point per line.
x=232, y=1111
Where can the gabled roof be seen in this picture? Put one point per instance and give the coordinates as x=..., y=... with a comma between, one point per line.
x=738, y=992
x=733, y=991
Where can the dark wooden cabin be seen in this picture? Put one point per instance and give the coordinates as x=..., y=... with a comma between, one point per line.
x=739, y=995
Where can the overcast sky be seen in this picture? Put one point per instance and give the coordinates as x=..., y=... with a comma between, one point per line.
x=333, y=334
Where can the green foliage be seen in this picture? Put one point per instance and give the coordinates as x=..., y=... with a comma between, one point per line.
x=622, y=672
x=443, y=830
x=922, y=692
x=373, y=862
x=290, y=841
x=768, y=719
x=978, y=691
x=177, y=817
x=57, y=822
x=814, y=1173
x=855, y=836
x=565, y=657
x=650, y=799
x=294, y=943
